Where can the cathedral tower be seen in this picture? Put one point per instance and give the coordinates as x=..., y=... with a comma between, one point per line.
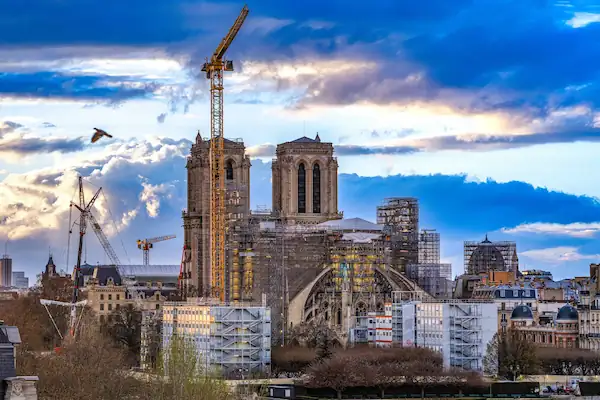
x=196, y=219
x=304, y=176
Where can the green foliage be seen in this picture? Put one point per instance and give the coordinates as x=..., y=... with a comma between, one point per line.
x=186, y=376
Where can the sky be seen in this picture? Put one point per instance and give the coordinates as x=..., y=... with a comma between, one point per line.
x=488, y=111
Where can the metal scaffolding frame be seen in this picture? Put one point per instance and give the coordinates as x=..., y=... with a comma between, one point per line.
x=466, y=336
x=482, y=257
x=429, y=246
x=400, y=218
x=435, y=279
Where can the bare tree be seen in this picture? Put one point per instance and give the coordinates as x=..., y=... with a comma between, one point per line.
x=516, y=356
x=490, y=359
x=89, y=368
x=125, y=329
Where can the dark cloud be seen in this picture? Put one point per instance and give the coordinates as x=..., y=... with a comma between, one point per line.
x=81, y=87
x=442, y=143
x=48, y=125
x=28, y=146
x=477, y=56
x=8, y=127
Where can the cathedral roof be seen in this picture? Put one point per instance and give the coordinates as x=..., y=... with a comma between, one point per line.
x=351, y=224
x=305, y=139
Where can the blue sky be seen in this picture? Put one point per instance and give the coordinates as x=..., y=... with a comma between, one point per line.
x=488, y=111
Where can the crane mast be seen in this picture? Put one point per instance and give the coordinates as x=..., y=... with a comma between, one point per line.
x=214, y=68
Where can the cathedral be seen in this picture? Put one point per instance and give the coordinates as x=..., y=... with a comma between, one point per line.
x=302, y=258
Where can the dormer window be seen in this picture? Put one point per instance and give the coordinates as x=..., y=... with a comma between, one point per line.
x=110, y=281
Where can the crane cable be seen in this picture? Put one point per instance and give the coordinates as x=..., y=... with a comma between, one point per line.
x=110, y=214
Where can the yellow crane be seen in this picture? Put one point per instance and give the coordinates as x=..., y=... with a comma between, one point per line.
x=146, y=244
x=214, y=68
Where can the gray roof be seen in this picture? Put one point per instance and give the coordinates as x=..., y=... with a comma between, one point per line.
x=521, y=313
x=567, y=313
x=351, y=224
x=150, y=270
x=304, y=139
x=9, y=334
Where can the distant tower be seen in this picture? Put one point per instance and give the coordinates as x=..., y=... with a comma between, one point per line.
x=400, y=219
x=50, y=268
x=429, y=247
x=5, y=271
x=197, y=216
x=305, y=181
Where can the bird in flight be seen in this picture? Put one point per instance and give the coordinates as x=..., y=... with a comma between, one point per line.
x=98, y=134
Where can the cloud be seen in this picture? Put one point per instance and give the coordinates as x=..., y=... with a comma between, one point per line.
x=17, y=140
x=576, y=230
x=144, y=189
x=53, y=85
x=557, y=255
x=470, y=142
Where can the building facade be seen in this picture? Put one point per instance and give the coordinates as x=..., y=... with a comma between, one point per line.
x=234, y=341
x=459, y=330
x=19, y=280
x=5, y=271
x=305, y=182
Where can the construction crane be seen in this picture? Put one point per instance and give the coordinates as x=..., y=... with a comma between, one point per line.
x=146, y=244
x=214, y=68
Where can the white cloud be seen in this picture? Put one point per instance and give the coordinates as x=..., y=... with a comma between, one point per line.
x=152, y=194
x=34, y=207
x=555, y=255
x=576, y=229
x=581, y=19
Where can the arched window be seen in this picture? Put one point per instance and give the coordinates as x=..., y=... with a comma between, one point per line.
x=229, y=171
x=301, y=189
x=316, y=189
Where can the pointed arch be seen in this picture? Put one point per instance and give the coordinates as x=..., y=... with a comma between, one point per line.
x=316, y=188
x=301, y=188
x=229, y=170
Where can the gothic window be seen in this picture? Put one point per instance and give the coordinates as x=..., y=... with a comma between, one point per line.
x=316, y=183
x=301, y=189
x=229, y=171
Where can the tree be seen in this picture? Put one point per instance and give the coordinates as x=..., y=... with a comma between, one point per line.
x=516, y=356
x=291, y=359
x=490, y=359
x=310, y=334
x=185, y=375
x=125, y=329
x=35, y=325
x=569, y=361
x=323, y=345
x=382, y=368
x=89, y=368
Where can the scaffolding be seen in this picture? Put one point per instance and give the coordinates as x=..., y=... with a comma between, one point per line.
x=466, y=336
x=435, y=279
x=485, y=256
x=400, y=218
x=233, y=339
x=429, y=247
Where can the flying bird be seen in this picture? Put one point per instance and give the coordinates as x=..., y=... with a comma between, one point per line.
x=98, y=134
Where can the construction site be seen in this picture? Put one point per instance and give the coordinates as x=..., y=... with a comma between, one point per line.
x=301, y=261
x=485, y=256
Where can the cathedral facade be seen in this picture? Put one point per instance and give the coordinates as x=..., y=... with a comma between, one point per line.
x=301, y=258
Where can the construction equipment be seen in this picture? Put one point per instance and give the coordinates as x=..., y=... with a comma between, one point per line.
x=214, y=68
x=146, y=244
